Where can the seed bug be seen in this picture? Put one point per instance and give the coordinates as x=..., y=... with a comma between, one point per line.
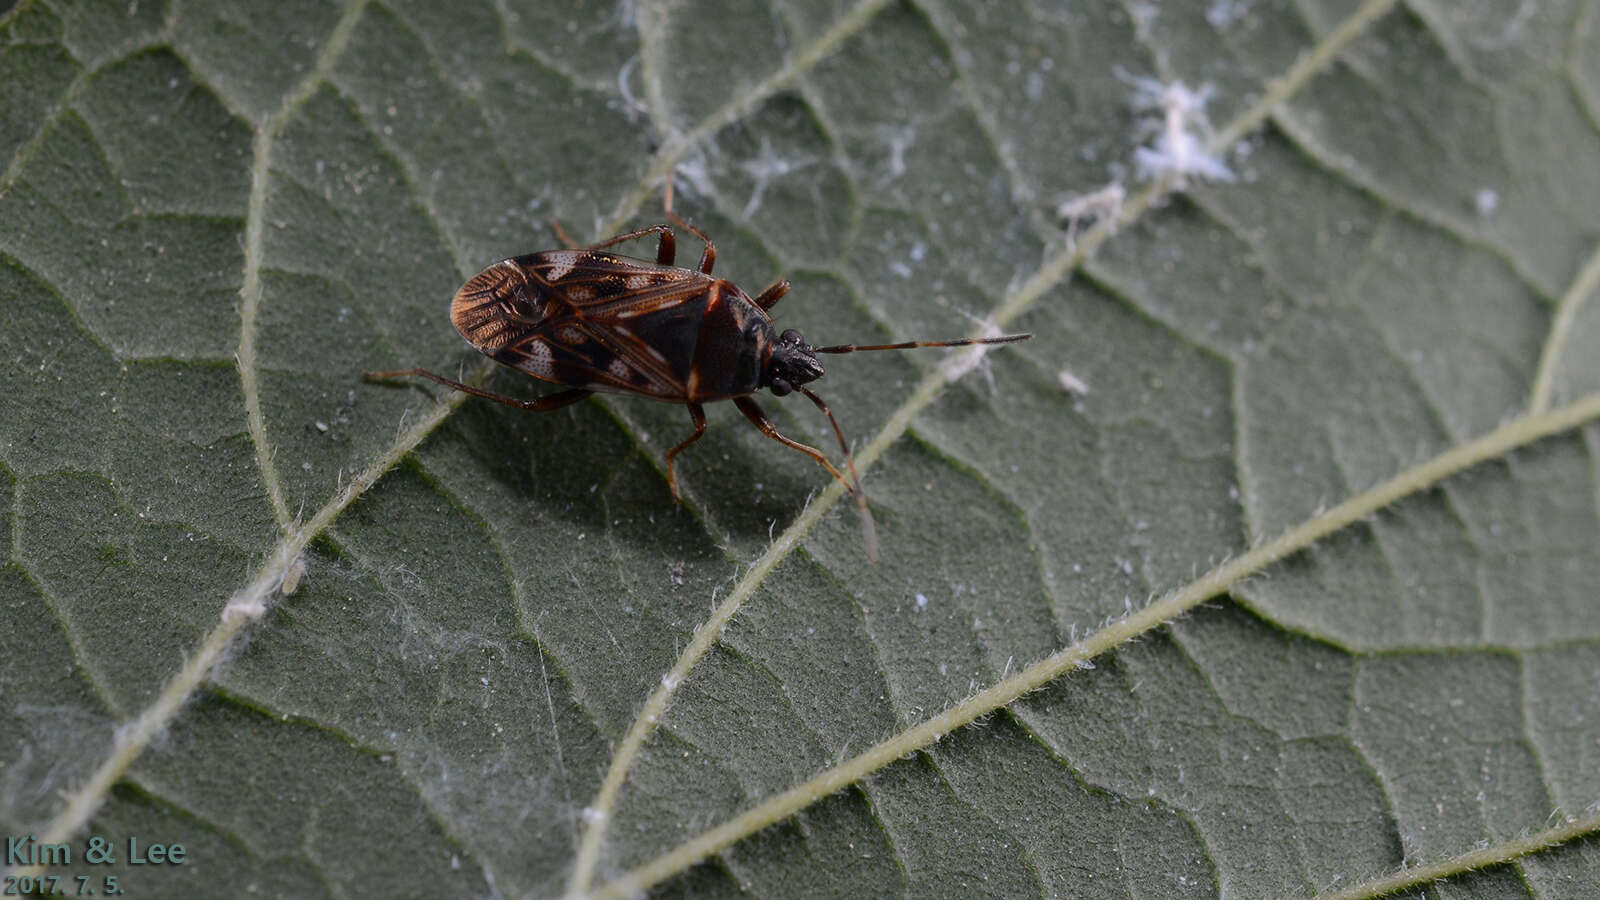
x=600, y=322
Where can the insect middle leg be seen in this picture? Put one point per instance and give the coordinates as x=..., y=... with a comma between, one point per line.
x=697, y=414
x=537, y=404
x=708, y=257
x=759, y=419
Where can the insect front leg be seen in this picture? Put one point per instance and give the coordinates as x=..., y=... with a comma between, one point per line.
x=537, y=404
x=769, y=298
x=697, y=414
x=759, y=419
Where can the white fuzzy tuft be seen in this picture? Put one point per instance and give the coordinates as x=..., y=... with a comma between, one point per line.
x=1182, y=131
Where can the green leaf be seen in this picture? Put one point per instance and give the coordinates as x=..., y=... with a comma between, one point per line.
x=506, y=663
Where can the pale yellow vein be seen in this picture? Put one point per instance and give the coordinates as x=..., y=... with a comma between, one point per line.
x=671, y=153
x=250, y=288
x=1584, y=287
x=1219, y=580
x=1472, y=861
x=249, y=602
x=243, y=607
x=249, y=305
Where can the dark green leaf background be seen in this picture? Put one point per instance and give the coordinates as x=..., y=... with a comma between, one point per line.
x=214, y=214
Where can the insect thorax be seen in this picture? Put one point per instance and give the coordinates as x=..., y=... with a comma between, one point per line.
x=731, y=346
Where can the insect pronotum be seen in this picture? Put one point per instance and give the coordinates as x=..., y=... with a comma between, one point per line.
x=596, y=321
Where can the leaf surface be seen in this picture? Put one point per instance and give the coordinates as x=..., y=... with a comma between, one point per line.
x=214, y=216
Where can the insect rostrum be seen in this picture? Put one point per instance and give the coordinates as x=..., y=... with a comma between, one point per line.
x=596, y=321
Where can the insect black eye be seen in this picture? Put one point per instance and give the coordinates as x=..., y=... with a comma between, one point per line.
x=790, y=337
x=781, y=387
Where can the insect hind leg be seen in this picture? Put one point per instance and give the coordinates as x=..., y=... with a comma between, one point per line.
x=538, y=404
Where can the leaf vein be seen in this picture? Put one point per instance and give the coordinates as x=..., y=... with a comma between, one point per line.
x=250, y=290
x=1495, y=854
x=1054, y=269
x=672, y=152
x=982, y=113
x=1219, y=580
x=1458, y=229
x=529, y=629
x=1585, y=286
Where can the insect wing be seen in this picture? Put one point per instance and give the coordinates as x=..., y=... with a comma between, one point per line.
x=599, y=283
x=585, y=319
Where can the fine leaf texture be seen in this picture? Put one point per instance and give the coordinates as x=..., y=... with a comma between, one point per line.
x=213, y=216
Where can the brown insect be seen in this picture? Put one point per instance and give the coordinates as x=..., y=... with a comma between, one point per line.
x=597, y=321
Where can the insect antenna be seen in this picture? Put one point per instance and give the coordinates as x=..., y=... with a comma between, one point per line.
x=909, y=345
x=869, y=531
